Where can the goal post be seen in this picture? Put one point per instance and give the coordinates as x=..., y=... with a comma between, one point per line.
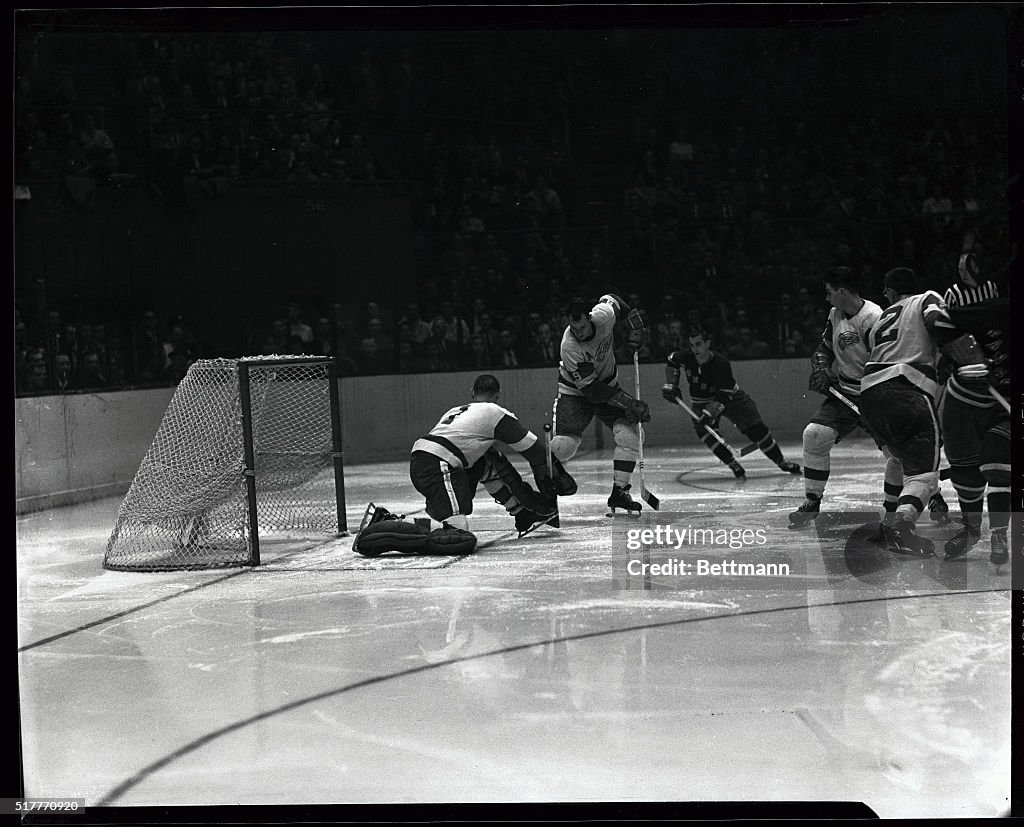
x=247, y=447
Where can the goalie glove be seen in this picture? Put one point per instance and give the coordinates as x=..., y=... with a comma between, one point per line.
x=633, y=410
x=821, y=378
x=671, y=392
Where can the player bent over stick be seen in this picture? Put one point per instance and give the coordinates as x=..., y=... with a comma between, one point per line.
x=588, y=386
x=449, y=463
x=714, y=393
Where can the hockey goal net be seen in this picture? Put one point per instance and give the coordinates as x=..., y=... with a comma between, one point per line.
x=247, y=447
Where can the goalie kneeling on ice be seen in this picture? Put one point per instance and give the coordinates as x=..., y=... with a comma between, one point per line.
x=410, y=538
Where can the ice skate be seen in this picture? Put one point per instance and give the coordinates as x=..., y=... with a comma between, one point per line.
x=904, y=540
x=938, y=510
x=528, y=521
x=738, y=470
x=960, y=543
x=620, y=498
x=789, y=467
x=806, y=513
x=1000, y=555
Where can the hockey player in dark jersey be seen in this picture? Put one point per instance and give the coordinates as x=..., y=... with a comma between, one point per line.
x=975, y=425
x=588, y=386
x=714, y=394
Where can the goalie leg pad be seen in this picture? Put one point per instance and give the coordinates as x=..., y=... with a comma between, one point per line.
x=450, y=540
x=391, y=535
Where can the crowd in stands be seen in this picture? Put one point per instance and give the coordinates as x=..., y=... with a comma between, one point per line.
x=708, y=224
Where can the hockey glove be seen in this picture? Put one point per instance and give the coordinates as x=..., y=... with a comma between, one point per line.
x=638, y=411
x=633, y=410
x=821, y=378
x=634, y=321
x=973, y=376
x=971, y=367
x=671, y=393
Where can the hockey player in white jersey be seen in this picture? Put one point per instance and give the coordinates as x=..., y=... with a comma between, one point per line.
x=588, y=386
x=838, y=362
x=448, y=463
x=898, y=392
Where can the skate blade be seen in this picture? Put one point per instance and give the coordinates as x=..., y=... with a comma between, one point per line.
x=626, y=512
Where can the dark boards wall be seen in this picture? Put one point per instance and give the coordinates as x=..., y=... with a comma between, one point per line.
x=229, y=263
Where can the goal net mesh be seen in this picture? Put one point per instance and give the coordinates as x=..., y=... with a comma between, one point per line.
x=188, y=505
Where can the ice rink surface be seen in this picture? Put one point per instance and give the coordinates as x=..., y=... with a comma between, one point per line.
x=533, y=670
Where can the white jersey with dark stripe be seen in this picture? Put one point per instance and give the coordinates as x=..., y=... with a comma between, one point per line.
x=464, y=433
x=846, y=337
x=584, y=363
x=901, y=343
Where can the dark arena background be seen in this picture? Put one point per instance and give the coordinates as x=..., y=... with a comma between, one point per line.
x=399, y=200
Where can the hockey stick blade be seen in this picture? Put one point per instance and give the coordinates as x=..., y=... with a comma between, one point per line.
x=650, y=499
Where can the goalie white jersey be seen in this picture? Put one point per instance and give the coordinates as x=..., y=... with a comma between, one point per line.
x=464, y=433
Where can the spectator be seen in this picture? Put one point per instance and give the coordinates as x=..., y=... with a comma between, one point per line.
x=442, y=354
x=544, y=349
x=323, y=338
x=507, y=355
x=93, y=373
x=748, y=347
x=296, y=327
x=178, y=362
x=177, y=342
x=385, y=345
x=62, y=382
x=480, y=356
x=36, y=379
x=369, y=359
x=420, y=329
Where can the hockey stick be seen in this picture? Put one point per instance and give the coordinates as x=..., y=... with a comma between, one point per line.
x=842, y=397
x=547, y=447
x=996, y=395
x=747, y=449
x=944, y=473
x=645, y=495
